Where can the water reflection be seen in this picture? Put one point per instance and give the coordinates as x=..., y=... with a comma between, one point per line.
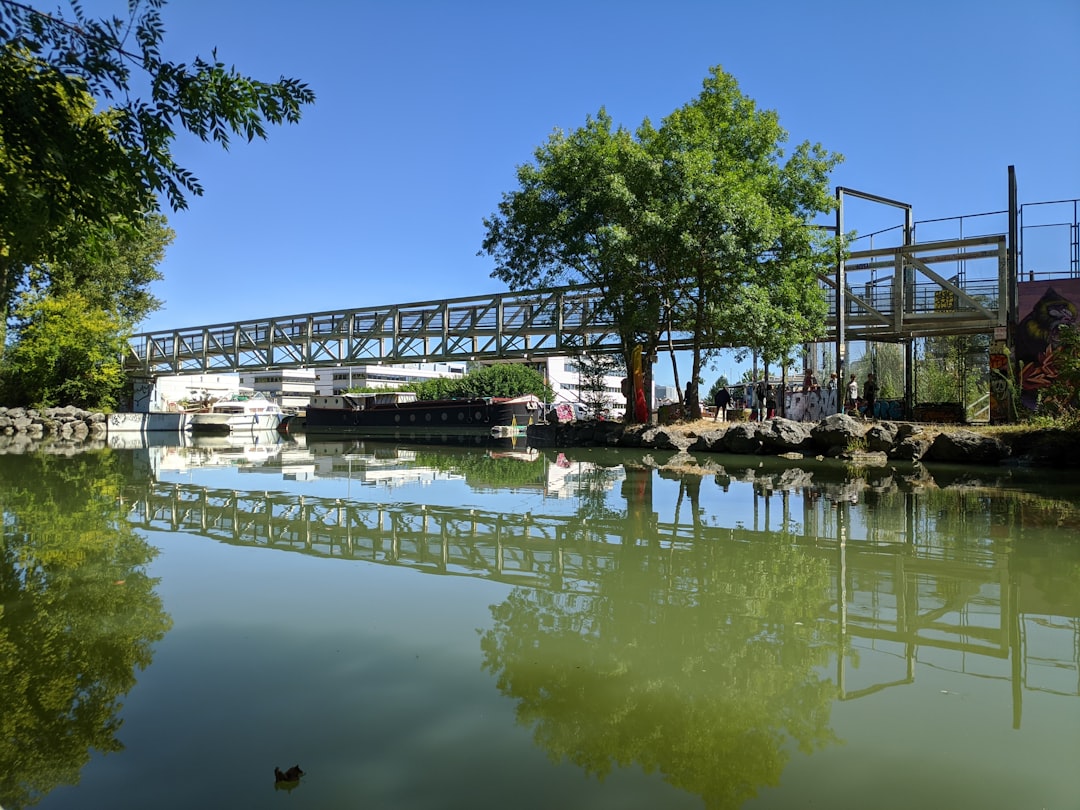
x=78, y=617
x=703, y=623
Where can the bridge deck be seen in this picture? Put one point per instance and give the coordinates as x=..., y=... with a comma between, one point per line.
x=948, y=287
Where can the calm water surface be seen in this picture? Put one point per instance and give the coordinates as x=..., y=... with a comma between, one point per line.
x=422, y=627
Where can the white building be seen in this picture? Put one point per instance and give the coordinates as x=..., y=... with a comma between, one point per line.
x=338, y=379
x=289, y=387
x=563, y=374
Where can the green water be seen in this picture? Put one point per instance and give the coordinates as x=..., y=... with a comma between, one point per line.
x=440, y=628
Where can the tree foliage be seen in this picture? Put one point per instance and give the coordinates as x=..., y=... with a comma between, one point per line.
x=580, y=215
x=78, y=617
x=68, y=352
x=62, y=161
x=500, y=380
x=696, y=664
x=688, y=227
x=593, y=372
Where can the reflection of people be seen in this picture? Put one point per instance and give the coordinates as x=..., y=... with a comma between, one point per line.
x=869, y=393
x=723, y=399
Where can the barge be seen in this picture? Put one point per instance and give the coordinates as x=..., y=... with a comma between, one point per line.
x=399, y=414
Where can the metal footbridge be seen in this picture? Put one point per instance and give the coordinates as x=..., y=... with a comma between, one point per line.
x=889, y=294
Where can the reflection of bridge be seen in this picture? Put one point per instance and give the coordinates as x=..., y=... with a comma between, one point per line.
x=888, y=597
x=946, y=287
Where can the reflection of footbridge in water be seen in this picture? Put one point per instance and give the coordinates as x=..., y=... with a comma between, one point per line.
x=908, y=603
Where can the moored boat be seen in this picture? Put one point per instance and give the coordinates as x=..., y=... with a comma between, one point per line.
x=400, y=413
x=238, y=413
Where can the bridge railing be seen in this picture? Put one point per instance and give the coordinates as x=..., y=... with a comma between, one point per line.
x=890, y=294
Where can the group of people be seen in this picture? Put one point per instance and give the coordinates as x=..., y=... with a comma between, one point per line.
x=762, y=398
x=869, y=396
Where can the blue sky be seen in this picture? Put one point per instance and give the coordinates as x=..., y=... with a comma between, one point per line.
x=425, y=109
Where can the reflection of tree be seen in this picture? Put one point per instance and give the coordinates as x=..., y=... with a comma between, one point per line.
x=77, y=616
x=483, y=469
x=699, y=664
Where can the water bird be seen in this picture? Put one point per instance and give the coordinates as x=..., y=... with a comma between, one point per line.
x=292, y=775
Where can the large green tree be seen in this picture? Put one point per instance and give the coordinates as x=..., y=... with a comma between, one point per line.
x=61, y=159
x=73, y=315
x=581, y=214
x=737, y=218
x=672, y=225
x=68, y=352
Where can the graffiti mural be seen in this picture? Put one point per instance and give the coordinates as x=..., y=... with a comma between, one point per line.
x=1045, y=307
x=1000, y=410
x=811, y=406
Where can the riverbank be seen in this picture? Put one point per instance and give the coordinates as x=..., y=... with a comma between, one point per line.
x=872, y=443
x=69, y=423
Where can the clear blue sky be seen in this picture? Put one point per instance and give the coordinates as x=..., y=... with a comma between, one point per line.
x=425, y=109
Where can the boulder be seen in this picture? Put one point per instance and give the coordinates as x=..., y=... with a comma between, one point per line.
x=881, y=437
x=743, y=437
x=967, y=447
x=837, y=431
x=711, y=441
x=786, y=436
x=911, y=448
x=663, y=438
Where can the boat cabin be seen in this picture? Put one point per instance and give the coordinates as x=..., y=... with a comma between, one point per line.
x=360, y=402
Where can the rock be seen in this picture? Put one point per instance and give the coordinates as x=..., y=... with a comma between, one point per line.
x=786, y=436
x=837, y=431
x=881, y=437
x=865, y=458
x=711, y=441
x=967, y=447
x=743, y=438
x=912, y=448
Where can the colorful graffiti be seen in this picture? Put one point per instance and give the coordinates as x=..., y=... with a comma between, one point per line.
x=1045, y=307
x=1000, y=374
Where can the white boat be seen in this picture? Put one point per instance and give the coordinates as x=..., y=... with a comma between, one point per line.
x=238, y=413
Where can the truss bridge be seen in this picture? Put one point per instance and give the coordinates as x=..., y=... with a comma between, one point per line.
x=888, y=294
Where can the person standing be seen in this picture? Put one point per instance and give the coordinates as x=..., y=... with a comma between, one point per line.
x=723, y=399
x=852, y=404
x=869, y=393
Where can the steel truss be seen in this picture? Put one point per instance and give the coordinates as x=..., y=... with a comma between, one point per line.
x=890, y=294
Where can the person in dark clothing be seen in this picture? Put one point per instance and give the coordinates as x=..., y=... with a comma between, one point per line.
x=723, y=399
x=869, y=393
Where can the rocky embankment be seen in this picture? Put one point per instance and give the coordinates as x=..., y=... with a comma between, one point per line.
x=21, y=426
x=838, y=436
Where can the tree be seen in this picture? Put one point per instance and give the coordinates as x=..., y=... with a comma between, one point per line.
x=580, y=215
x=593, y=371
x=68, y=352
x=499, y=380
x=111, y=266
x=673, y=224
x=59, y=160
x=737, y=226
x=74, y=316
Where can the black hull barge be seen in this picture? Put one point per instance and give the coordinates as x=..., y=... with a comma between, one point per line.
x=397, y=414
